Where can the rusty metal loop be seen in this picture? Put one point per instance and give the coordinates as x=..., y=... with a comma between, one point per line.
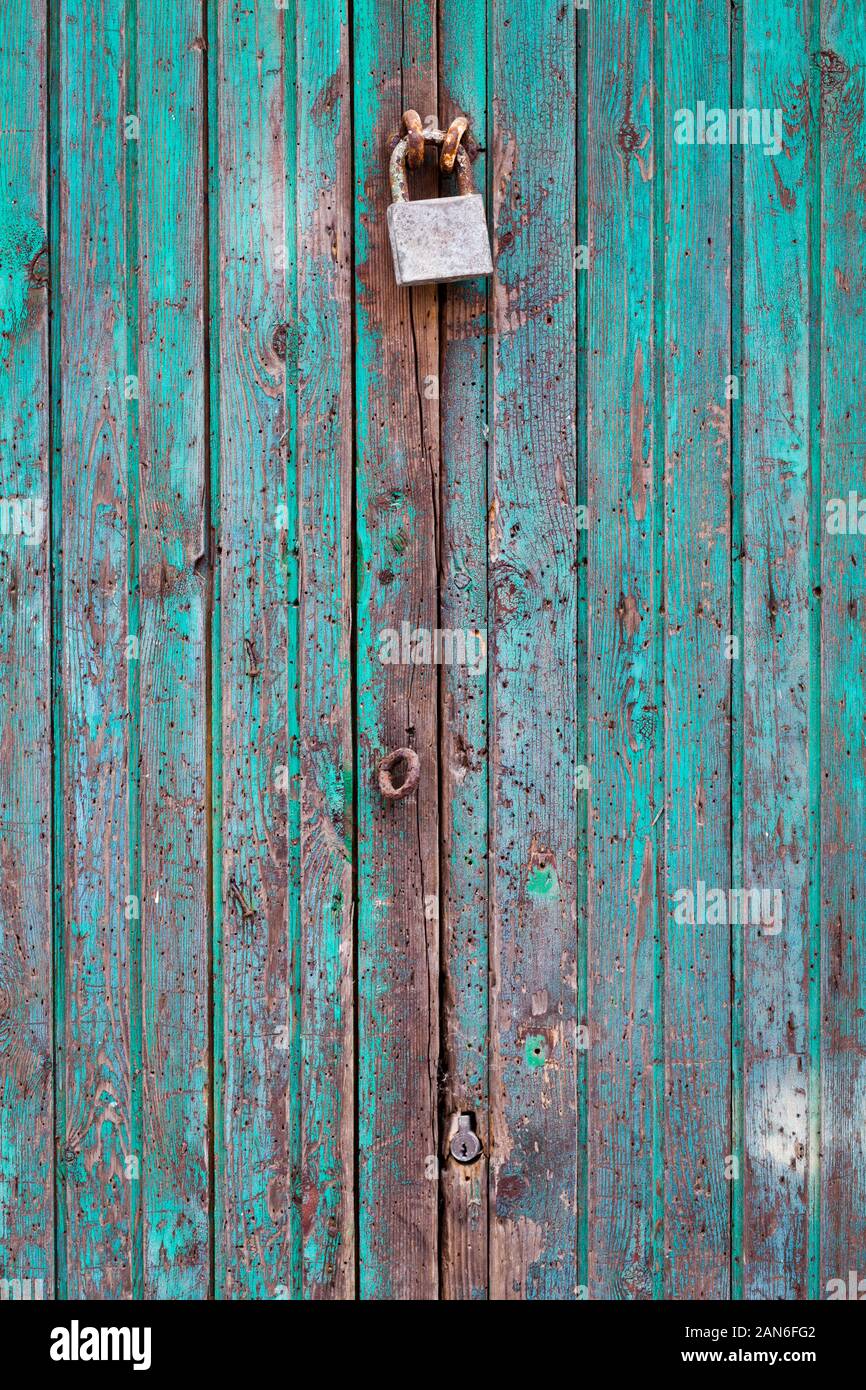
x=37, y=268
x=414, y=138
x=399, y=159
x=453, y=135
x=412, y=763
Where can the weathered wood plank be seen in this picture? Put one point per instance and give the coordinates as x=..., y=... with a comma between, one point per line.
x=776, y=829
x=174, y=577
x=624, y=718
x=582, y=306
x=843, y=642
x=695, y=298
x=326, y=473
x=26, y=1113
x=533, y=695
x=253, y=108
x=99, y=1032
x=397, y=509
x=463, y=400
x=738, y=236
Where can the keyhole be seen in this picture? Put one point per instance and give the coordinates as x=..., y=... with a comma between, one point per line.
x=464, y=1145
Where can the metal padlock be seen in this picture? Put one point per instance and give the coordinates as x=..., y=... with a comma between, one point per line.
x=437, y=240
x=465, y=1145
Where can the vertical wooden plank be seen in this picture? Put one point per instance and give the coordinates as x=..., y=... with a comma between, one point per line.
x=624, y=717
x=697, y=674
x=776, y=829
x=843, y=641
x=582, y=298
x=26, y=1120
x=533, y=585
x=173, y=560
x=397, y=507
x=463, y=736
x=326, y=481
x=255, y=1027
x=99, y=1033
x=738, y=239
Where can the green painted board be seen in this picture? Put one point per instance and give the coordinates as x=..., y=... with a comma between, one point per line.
x=396, y=548
x=98, y=1033
x=532, y=559
x=26, y=1063
x=778, y=665
x=626, y=792
x=841, y=249
x=174, y=581
x=463, y=393
x=254, y=627
x=325, y=474
x=698, y=659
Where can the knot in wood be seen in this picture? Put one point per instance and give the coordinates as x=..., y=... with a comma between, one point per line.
x=279, y=340
x=628, y=138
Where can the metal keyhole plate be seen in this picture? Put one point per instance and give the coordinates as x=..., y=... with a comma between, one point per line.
x=465, y=1145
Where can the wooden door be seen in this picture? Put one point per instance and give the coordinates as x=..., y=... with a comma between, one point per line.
x=587, y=537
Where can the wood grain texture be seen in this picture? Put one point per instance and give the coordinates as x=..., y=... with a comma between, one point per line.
x=533, y=593
x=697, y=671
x=99, y=1043
x=463, y=403
x=173, y=560
x=254, y=1231
x=26, y=1115
x=325, y=486
x=776, y=820
x=842, y=74
x=624, y=714
x=397, y=540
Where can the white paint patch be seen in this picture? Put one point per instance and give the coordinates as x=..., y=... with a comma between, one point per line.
x=539, y=1003
x=782, y=1133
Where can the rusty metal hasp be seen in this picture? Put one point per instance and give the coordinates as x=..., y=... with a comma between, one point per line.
x=436, y=240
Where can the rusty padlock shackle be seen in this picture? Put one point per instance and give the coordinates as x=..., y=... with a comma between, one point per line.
x=415, y=140
x=405, y=152
x=451, y=145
